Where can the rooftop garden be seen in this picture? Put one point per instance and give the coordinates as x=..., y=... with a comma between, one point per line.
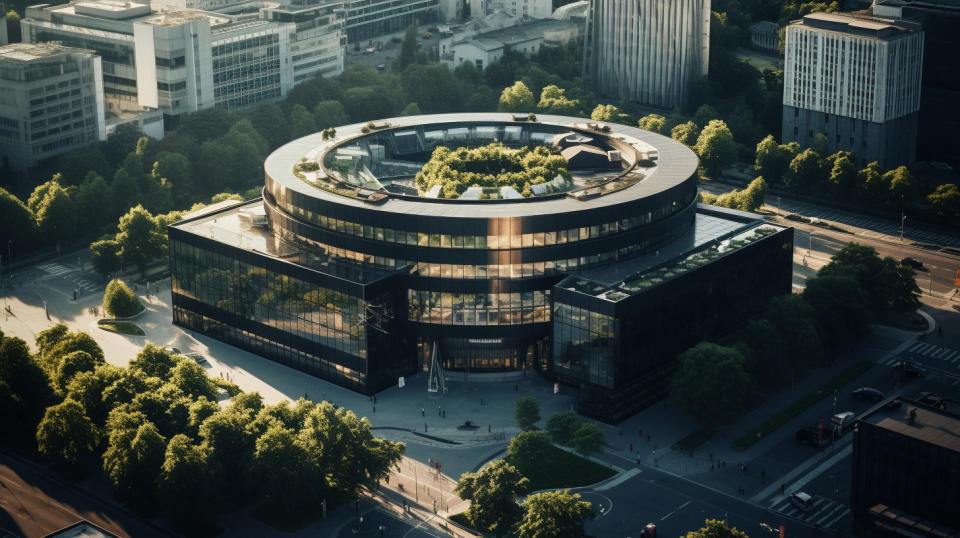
x=492, y=165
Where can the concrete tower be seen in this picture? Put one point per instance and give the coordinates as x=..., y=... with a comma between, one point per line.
x=649, y=51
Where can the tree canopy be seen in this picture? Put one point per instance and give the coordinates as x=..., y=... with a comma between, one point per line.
x=492, y=492
x=710, y=383
x=526, y=412
x=553, y=514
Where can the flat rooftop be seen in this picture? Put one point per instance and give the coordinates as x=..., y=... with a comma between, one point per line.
x=860, y=24
x=28, y=52
x=934, y=426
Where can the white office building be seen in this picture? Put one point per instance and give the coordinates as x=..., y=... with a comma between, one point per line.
x=176, y=61
x=649, y=51
x=856, y=79
x=51, y=102
x=535, y=9
x=482, y=49
x=369, y=19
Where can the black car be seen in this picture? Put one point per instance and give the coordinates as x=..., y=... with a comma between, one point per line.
x=910, y=369
x=912, y=262
x=811, y=434
x=867, y=393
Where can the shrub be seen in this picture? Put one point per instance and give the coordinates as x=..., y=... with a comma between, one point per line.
x=119, y=300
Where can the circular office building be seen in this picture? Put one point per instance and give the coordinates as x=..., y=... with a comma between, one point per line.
x=477, y=243
x=483, y=214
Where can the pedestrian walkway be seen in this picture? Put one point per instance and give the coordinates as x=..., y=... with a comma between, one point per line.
x=822, y=513
x=55, y=269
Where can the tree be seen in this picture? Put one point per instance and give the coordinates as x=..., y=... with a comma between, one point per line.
x=105, y=256
x=184, y=487
x=842, y=178
x=553, y=100
x=772, y=159
x=528, y=449
x=191, y=378
x=526, y=412
x=57, y=342
x=686, y=133
x=134, y=456
x=154, y=361
x=841, y=306
x=70, y=366
x=208, y=123
x=88, y=388
x=492, y=493
x=806, y=171
x=749, y=199
x=17, y=222
x=715, y=528
x=516, y=98
x=66, y=433
x=13, y=26
x=710, y=383
x=408, y=50
x=890, y=287
x=434, y=87
x=588, y=439
x=945, y=200
x=554, y=514
x=119, y=300
x=283, y=473
x=89, y=199
x=653, y=122
x=264, y=120
x=796, y=322
x=330, y=114
x=140, y=240
x=715, y=146
x=302, y=122
x=56, y=214
x=562, y=426
x=765, y=357
x=27, y=392
x=174, y=169
x=124, y=192
x=410, y=110
x=871, y=186
x=610, y=113
x=900, y=183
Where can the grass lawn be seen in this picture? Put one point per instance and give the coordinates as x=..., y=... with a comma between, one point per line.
x=803, y=403
x=121, y=327
x=562, y=469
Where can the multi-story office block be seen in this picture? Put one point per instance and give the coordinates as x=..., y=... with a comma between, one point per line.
x=319, y=42
x=51, y=102
x=650, y=51
x=856, y=79
x=176, y=61
x=906, y=469
x=536, y=9
x=367, y=19
x=940, y=91
x=350, y=269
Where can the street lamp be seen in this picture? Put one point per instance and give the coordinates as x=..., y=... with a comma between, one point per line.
x=903, y=217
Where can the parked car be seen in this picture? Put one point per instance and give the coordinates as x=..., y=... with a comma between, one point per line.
x=867, y=393
x=894, y=403
x=426, y=35
x=197, y=358
x=803, y=501
x=912, y=262
x=810, y=435
x=381, y=67
x=932, y=400
x=911, y=369
x=842, y=419
x=172, y=350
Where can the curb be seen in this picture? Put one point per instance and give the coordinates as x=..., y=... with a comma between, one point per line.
x=931, y=323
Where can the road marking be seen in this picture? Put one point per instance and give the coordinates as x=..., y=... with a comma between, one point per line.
x=681, y=507
x=833, y=510
x=952, y=357
x=838, y=518
x=619, y=479
x=915, y=347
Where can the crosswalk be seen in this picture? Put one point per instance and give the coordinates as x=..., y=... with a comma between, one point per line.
x=89, y=285
x=823, y=513
x=939, y=357
x=55, y=269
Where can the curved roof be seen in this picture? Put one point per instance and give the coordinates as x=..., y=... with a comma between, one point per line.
x=676, y=164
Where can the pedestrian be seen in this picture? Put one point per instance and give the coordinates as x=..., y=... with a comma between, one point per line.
x=422, y=412
x=648, y=437
x=438, y=410
x=429, y=461
x=638, y=459
x=444, y=413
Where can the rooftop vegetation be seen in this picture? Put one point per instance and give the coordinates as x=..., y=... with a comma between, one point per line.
x=492, y=165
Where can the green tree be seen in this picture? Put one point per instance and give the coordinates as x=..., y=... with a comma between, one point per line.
x=588, y=439
x=283, y=473
x=410, y=110
x=554, y=514
x=89, y=199
x=72, y=364
x=207, y=124
x=553, y=100
x=56, y=214
x=653, y=122
x=610, y=113
x=302, y=122
x=710, y=383
x=226, y=436
x=716, y=528
x=705, y=114
x=871, y=186
x=890, y=287
x=105, y=256
x=434, y=87
x=841, y=306
x=562, y=426
x=492, y=492
x=17, y=222
x=796, y=321
x=13, y=26
x=124, y=193
x=174, y=169
x=25, y=392
x=945, y=200
x=408, y=50
x=806, y=171
x=191, y=378
x=330, y=114
x=526, y=412
x=901, y=185
x=264, y=118
x=773, y=159
x=184, y=487
x=55, y=343
x=765, y=355
x=842, y=178
x=528, y=449
x=516, y=98
x=88, y=389
x=123, y=140
x=140, y=240
x=154, y=361
x=119, y=300
x=715, y=147
x=820, y=144
x=686, y=133
x=66, y=433
x=749, y=199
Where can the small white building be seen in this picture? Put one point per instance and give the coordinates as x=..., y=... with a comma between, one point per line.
x=486, y=48
x=765, y=35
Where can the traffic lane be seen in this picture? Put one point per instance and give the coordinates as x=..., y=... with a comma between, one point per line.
x=378, y=523
x=677, y=506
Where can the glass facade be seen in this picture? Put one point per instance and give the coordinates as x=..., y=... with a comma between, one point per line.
x=442, y=308
x=585, y=345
